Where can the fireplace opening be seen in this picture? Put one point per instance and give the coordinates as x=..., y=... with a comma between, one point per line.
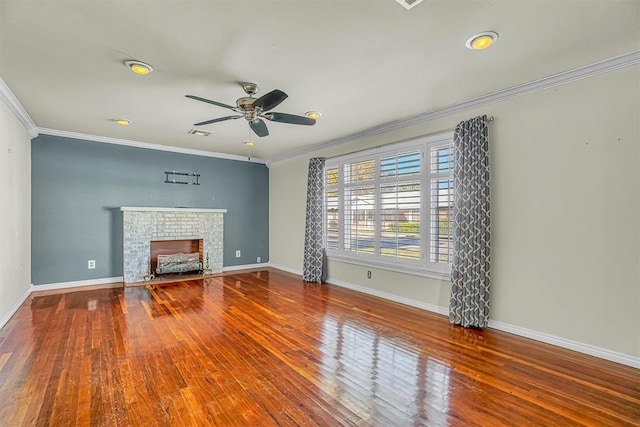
x=176, y=256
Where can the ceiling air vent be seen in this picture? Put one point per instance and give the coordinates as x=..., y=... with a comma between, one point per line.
x=199, y=132
x=409, y=4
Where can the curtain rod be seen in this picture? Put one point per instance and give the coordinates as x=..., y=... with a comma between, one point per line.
x=489, y=119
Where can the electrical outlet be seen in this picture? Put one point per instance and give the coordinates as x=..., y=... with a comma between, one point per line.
x=369, y=274
x=259, y=259
x=91, y=264
x=238, y=254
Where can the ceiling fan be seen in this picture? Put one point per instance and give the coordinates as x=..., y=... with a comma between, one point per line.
x=256, y=109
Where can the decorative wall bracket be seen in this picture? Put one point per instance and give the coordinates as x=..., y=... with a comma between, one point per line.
x=174, y=177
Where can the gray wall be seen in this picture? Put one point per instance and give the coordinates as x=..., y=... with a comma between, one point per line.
x=79, y=186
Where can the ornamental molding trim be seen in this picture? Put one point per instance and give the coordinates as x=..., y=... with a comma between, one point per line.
x=597, y=68
x=18, y=110
x=146, y=145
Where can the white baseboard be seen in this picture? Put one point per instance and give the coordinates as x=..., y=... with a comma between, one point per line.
x=391, y=297
x=15, y=307
x=589, y=349
x=245, y=266
x=76, y=284
x=287, y=269
x=385, y=295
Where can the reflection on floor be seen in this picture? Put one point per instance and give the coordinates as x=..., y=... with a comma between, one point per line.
x=264, y=348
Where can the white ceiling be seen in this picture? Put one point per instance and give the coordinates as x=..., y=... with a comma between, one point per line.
x=362, y=63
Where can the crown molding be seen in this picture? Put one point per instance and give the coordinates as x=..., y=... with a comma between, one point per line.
x=14, y=105
x=601, y=67
x=147, y=145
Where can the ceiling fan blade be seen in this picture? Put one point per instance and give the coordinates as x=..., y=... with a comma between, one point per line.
x=270, y=100
x=289, y=118
x=259, y=127
x=219, y=104
x=221, y=119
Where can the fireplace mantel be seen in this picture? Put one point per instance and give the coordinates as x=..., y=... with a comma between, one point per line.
x=157, y=209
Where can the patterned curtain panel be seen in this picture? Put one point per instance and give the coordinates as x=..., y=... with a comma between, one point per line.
x=313, y=269
x=470, y=273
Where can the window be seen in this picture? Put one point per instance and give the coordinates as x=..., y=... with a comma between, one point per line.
x=441, y=214
x=392, y=207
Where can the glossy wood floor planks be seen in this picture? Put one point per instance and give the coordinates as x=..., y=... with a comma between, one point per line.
x=265, y=349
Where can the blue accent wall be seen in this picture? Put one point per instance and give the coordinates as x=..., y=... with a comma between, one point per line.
x=79, y=186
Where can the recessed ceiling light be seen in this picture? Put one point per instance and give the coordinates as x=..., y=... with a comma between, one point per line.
x=313, y=114
x=249, y=143
x=482, y=40
x=139, y=67
x=122, y=122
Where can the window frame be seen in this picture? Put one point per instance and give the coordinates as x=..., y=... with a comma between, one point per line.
x=420, y=267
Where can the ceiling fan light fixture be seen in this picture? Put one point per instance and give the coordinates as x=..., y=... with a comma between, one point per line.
x=482, y=40
x=256, y=111
x=139, y=68
x=122, y=122
x=315, y=115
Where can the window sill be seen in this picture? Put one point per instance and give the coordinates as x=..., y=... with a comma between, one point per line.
x=398, y=268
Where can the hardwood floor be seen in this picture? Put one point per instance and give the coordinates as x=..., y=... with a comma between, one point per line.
x=264, y=349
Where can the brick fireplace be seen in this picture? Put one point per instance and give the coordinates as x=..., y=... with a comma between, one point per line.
x=141, y=225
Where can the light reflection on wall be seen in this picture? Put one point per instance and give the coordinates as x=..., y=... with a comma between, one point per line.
x=378, y=377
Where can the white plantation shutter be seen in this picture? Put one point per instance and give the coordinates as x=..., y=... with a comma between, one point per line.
x=400, y=205
x=332, y=212
x=359, y=219
x=441, y=209
x=359, y=206
x=392, y=206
